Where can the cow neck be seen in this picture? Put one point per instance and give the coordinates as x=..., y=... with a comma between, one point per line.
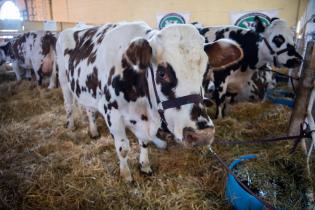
x=262, y=53
x=171, y=103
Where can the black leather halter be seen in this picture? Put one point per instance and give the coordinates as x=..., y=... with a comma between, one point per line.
x=173, y=103
x=274, y=53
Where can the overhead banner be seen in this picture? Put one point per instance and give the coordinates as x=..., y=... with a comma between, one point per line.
x=164, y=19
x=246, y=19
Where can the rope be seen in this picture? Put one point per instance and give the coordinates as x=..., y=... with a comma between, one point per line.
x=285, y=75
x=292, y=84
x=297, y=138
x=282, y=74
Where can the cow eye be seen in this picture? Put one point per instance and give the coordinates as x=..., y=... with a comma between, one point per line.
x=278, y=40
x=161, y=73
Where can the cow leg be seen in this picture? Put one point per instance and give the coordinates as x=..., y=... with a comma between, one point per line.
x=68, y=100
x=38, y=73
x=122, y=150
x=117, y=129
x=159, y=143
x=16, y=70
x=40, y=78
x=68, y=103
x=28, y=74
x=220, y=103
x=144, y=159
x=91, y=113
x=53, y=77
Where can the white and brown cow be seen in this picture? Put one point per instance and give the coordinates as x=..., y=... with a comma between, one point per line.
x=32, y=51
x=122, y=70
x=267, y=45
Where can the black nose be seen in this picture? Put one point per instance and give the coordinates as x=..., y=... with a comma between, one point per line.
x=207, y=100
x=293, y=63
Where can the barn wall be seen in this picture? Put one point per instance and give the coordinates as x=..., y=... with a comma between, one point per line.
x=208, y=12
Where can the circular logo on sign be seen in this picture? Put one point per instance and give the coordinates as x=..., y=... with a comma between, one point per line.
x=247, y=21
x=171, y=18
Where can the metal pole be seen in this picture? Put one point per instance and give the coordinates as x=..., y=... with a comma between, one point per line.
x=26, y=8
x=51, y=10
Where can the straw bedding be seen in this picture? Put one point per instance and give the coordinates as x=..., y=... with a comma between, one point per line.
x=45, y=166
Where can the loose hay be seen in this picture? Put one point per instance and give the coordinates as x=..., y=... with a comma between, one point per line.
x=45, y=166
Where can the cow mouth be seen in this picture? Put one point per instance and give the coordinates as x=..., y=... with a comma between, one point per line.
x=207, y=101
x=293, y=63
x=194, y=138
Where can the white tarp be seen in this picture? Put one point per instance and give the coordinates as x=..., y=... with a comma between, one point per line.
x=167, y=18
x=234, y=16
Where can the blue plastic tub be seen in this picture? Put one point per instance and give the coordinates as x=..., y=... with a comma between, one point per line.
x=236, y=195
x=281, y=78
x=283, y=97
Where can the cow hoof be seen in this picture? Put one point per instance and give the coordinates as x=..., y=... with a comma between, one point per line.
x=95, y=136
x=67, y=126
x=50, y=87
x=146, y=170
x=127, y=179
x=159, y=143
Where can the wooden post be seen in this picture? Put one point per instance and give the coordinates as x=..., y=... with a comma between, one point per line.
x=304, y=89
x=299, y=113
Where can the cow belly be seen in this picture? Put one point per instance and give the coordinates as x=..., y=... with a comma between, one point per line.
x=87, y=100
x=138, y=120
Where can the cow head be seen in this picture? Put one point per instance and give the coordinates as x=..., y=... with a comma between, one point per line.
x=5, y=53
x=279, y=37
x=178, y=61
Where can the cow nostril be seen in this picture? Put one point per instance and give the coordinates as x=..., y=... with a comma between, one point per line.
x=207, y=102
x=293, y=63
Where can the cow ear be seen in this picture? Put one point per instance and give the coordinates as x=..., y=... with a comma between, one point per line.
x=259, y=26
x=139, y=53
x=223, y=53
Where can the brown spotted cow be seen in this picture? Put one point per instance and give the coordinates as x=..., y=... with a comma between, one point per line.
x=32, y=50
x=136, y=77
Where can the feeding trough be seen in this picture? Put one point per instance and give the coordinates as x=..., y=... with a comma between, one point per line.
x=279, y=182
x=281, y=96
x=237, y=196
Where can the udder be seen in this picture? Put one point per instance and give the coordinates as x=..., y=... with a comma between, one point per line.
x=47, y=65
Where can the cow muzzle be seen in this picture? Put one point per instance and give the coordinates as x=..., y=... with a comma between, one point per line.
x=194, y=138
x=293, y=63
